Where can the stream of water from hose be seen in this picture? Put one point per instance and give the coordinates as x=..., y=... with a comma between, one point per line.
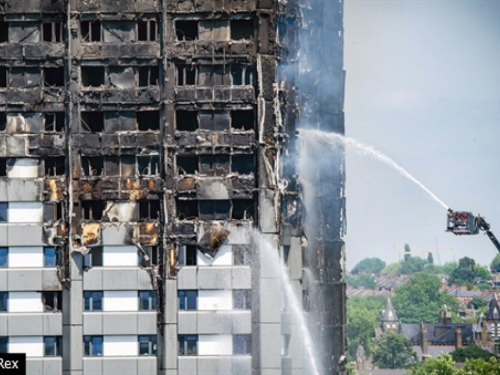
x=320, y=137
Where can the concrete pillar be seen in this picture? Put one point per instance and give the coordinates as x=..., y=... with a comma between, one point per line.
x=458, y=337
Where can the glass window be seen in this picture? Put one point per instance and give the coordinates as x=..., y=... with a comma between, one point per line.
x=52, y=345
x=93, y=300
x=188, y=299
x=4, y=342
x=4, y=297
x=147, y=300
x=3, y=211
x=92, y=345
x=147, y=345
x=4, y=253
x=49, y=256
x=188, y=344
x=242, y=299
x=242, y=344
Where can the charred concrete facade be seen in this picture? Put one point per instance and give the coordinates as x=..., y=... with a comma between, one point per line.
x=143, y=144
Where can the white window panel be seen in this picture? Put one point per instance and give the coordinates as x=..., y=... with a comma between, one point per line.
x=25, y=257
x=23, y=168
x=224, y=257
x=25, y=302
x=31, y=345
x=120, y=301
x=120, y=346
x=209, y=300
x=119, y=256
x=215, y=345
x=25, y=212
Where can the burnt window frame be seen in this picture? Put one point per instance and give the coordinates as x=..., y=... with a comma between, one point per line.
x=215, y=209
x=92, y=117
x=51, y=300
x=57, y=84
x=149, y=209
x=248, y=75
x=57, y=169
x=153, y=163
x=189, y=117
x=94, y=258
x=92, y=35
x=90, y=77
x=88, y=212
x=143, y=116
x=182, y=76
x=3, y=121
x=220, y=165
x=4, y=31
x=188, y=255
x=192, y=36
x=4, y=77
x=187, y=209
x=242, y=20
x=152, y=30
x=55, y=30
x=149, y=73
x=56, y=122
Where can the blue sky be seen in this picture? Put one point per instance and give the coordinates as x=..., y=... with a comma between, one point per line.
x=423, y=86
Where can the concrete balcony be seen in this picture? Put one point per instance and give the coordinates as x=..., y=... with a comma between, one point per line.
x=117, y=278
x=29, y=279
x=145, y=365
x=120, y=323
x=215, y=322
x=108, y=50
x=31, y=324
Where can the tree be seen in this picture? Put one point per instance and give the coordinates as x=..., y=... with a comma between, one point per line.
x=478, y=303
x=407, y=252
x=483, y=273
x=443, y=364
x=495, y=263
x=412, y=265
x=365, y=280
x=470, y=352
x=449, y=267
x=421, y=298
x=393, y=350
x=430, y=258
x=392, y=269
x=465, y=272
x=480, y=367
x=370, y=265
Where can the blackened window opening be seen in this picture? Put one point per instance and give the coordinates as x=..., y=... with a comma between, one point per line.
x=190, y=255
x=54, y=77
x=187, y=164
x=148, y=120
x=3, y=76
x=243, y=164
x=242, y=29
x=92, y=165
x=91, y=31
x=92, y=76
x=3, y=167
x=149, y=210
x=92, y=210
x=186, y=75
x=214, y=165
x=52, y=32
x=242, y=119
x=149, y=165
x=3, y=121
x=148, y=76
x=52, y=301
x=187, y=209
x=4, y=32
x=215, y=210
x=147, y=31
x=92, y=121
x=55, y=166
x=243, y=209
x=186, y=120
x=186, y=30
x=54, y=122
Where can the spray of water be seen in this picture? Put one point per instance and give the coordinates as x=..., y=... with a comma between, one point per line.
x=334, y=138
x=269, y=254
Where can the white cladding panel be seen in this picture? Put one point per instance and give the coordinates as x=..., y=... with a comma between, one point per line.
x=25, y=257
x=23, y=168
x=120, y=301
x=25, y=212
x=224, y=257
x=24, y=302
x=120, y=346
x=31, y=345
x=215, y=345
x=215, y=300
x=119, y=256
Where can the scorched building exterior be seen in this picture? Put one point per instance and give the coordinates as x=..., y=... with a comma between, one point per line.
x=140, y=143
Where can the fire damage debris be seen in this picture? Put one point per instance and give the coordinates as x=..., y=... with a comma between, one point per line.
x=215, y=236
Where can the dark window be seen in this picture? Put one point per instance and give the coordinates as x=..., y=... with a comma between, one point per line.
x=148, y=120
x=3, y=167
x=186, y=75
x=92, y=210
x=243, y=75
x=242, y=29
x=187, y=255
x=49, y=257
x=188, y=344
x=4, y=35
x=149, y=209
x=93, y=258
x=187, y=164
x=52, y=345
x=147, y=344
x=52, y=301
x=243, y=209
x=242, y=119
x=188, y=299
x=286, y=253
x=91, y=31
x=3, y=76
x=92, y=121
x=54, y=122
x=54, y=77
x=186, y=30
x=92, y=345
x=148, y=76
x=149, y=165
x=243, y=164
x=92, y=165
x=242, y=299
x=4, y=343
x=215, y=210
x=241, y=255
x=55, y=166
x=187, y=209
x=242, y=344
x=186, y=120
x=52, y=211
x=92, y=76
x=214, y=120
x=147, y=31
x=92, y=300
x=147, y=300
x=4, y=257
x=3, y=121
x=210, y=75
x=4, y=297
x=52, y=32
x=214, y=165
x=3, y=211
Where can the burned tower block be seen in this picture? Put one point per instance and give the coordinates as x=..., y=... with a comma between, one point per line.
x=148, y=160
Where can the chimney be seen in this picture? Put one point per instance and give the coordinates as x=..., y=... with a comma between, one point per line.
x=425, y=344
x=458, y=337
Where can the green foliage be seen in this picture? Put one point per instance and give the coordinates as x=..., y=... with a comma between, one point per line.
x=370, y=265
x=420, y=299
x=430, y=258
x=495, y=263
x=393, y=350
x=363, y=316
x=407, y=252
x=478, y=303
x=484, y=287
x=364, y=280
x=470, y=352
x=449, y=267
x=464, y=273
x=482, y=273
x=441, y=365
x=480, y=367
x=392, y=269
x=412, y=265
